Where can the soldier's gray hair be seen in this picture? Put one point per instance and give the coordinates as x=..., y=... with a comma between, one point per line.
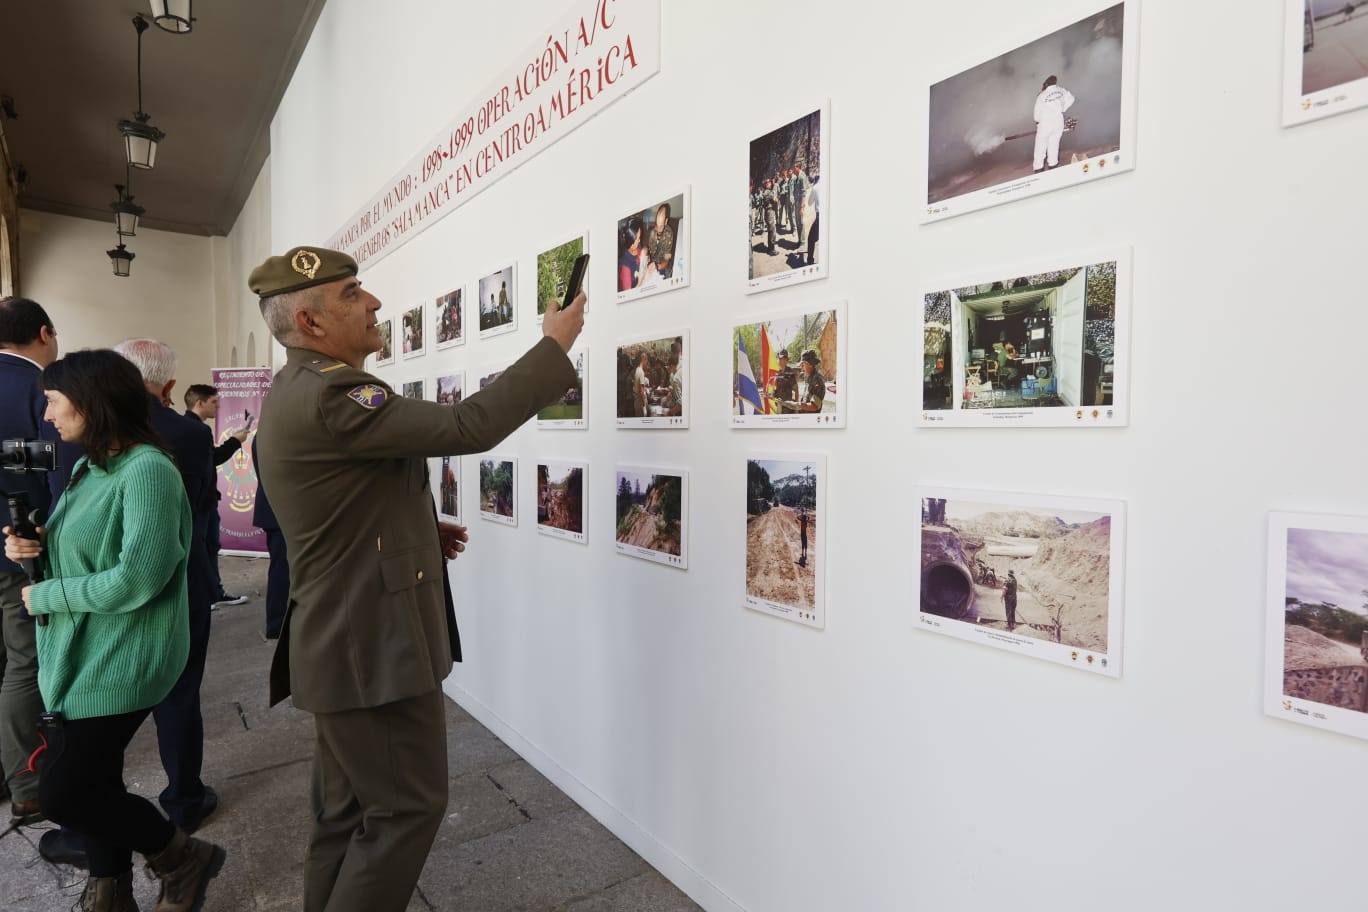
x=156, y=361
x=279, y=311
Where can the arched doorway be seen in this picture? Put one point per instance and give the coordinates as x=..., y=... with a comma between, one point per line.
x=233, y=361
x=251, y=350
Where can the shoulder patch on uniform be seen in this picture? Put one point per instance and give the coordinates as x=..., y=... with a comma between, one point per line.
x=336, y=365
x=367, y=395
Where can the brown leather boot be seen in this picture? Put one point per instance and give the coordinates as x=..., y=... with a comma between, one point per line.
x=109, y=894
x=185, y=868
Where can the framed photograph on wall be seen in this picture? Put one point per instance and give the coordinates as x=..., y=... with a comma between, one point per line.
x=447, y=470
x=1317, y=621
x=487, y=375
x=571, y=411
x=448, y=323
x=497, y=304
x=786, y=370
x=414, y=389
x=561, y=502
x=499, y=489
x=786, y=537
x=653, y=254
x=652, y=516
x=1325, y=59
x=554, y=267
x=790, y=202
x=386, y=353
x=1038, y=575
x=414, y=332
x=449, y=388
x=1051, y=111
x=653, y=382
x=1041, y=344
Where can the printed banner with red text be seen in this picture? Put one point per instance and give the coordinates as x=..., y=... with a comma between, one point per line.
x=595, y=53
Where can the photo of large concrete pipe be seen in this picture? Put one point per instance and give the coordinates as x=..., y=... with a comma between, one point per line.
x=947, y=586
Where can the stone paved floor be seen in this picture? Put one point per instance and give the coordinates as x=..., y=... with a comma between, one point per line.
x=511, y=840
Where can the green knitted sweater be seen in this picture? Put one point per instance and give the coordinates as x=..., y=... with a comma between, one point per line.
x=118, y=631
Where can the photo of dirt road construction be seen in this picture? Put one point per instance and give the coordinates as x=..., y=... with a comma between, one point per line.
x=1032, y=571
x=783, y=544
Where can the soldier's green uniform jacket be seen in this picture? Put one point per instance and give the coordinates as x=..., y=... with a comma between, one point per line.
x=660, y=245
x=798, y=188
x=370, y=618
x=770, y=201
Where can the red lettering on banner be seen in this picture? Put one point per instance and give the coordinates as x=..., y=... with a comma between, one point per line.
x=513, y=119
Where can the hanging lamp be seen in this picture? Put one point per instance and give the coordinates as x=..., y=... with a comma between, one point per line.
x=140, y=137
x=173, y=16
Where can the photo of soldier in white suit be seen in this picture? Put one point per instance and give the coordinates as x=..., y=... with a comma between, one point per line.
x=1050, y=106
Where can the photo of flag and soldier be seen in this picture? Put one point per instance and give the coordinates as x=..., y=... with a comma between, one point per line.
x=786, y=371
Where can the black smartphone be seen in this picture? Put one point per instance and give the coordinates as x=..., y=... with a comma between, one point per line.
x=572, y=289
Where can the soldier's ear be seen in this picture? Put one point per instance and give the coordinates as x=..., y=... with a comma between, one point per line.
x=306, y=324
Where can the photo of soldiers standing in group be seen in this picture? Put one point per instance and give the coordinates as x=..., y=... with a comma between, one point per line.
x=785, y=174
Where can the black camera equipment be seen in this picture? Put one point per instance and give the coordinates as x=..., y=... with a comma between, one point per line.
x=23, y=457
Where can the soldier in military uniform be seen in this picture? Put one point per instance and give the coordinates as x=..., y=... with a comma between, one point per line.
x=798, y=188
x=781, y=187
x=785, y=385
x=370, y=633
x=812, y=386
x=1009, y=599
x=660, y=244
x=769, y=201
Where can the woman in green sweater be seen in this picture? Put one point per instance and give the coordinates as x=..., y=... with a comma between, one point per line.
x=117, y=634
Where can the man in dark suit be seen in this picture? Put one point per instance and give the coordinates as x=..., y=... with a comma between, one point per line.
x=180, y=727
x=201, y=405
x=28, y=343
x=278, y=575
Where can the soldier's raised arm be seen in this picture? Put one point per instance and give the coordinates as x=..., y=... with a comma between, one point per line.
x=314, y=304
x=367, y=420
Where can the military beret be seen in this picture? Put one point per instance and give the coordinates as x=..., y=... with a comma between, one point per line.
x=300, y=267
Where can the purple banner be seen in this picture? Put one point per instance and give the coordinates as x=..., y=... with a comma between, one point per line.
x=241, y=392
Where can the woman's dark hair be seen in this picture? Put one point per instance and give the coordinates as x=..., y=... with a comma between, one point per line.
x=630, y=232
x=108, y=391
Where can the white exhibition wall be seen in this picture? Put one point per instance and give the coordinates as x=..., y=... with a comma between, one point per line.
x=237, y=315
x=765, y=766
